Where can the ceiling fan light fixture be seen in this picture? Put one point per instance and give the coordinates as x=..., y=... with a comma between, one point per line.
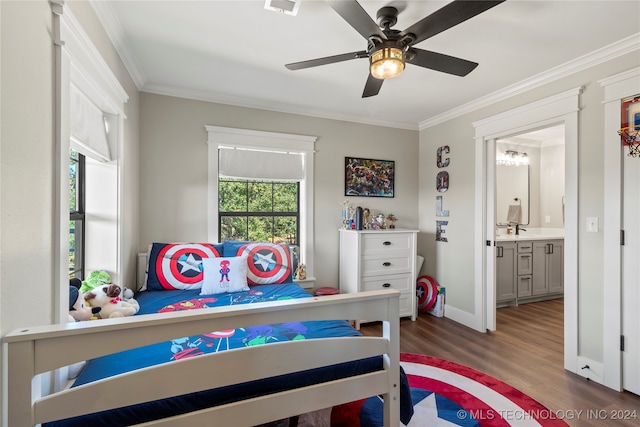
x=387, y=62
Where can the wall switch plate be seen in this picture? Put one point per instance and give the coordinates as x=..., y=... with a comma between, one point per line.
x=592, y=224
x=547, y=219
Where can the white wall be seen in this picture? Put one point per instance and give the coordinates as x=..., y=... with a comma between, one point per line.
x=173, y=170
x=443, y=260
x=551, y=186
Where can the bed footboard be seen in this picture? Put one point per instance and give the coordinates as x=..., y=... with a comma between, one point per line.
x=33, y=351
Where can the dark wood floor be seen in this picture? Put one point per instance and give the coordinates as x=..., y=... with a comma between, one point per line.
x=526, y=351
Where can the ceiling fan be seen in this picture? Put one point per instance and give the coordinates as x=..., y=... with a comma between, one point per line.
x=388, y=50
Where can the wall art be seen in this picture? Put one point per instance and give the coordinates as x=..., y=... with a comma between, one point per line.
x=368, y=177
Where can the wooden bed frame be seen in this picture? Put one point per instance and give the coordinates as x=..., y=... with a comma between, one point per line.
x=38, y=350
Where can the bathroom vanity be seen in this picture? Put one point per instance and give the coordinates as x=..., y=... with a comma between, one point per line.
x=529, y=266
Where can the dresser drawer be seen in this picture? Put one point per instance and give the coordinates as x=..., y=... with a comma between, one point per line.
x=377, y=265
x=387, y=243
x=399, y=282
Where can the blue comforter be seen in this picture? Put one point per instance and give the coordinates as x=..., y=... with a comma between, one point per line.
x=182, y=347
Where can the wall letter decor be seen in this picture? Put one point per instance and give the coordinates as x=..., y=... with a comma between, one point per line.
x=439, y=211
x=440, y=231
x=443, y=149
x=442, y=181
x=442, y=185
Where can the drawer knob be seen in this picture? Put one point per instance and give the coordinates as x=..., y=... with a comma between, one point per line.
x=386, y=263
x=386, y=285
x=386, y=243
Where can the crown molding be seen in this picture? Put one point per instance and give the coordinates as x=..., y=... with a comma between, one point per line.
x=607, y=53
x=267, y=105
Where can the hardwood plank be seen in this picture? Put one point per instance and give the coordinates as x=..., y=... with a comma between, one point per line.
x=526, y=351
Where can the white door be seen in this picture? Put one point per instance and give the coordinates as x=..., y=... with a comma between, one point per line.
x=631, y=274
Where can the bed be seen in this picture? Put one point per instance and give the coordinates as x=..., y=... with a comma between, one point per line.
x=165, y=366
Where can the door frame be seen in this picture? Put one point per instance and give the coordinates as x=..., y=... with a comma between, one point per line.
x=562, y=108
x=616, y=88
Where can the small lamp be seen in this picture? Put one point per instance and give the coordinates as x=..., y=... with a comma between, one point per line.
x=387, y=62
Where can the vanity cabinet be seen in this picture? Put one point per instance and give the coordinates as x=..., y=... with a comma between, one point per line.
x=506, y=269
x=529, y=270
x=548, y=267
x=380, y=259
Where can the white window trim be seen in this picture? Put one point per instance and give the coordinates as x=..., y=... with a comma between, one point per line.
x=79, y=61
x=243, y=138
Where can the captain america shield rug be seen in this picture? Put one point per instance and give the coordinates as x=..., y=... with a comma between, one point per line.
x=448, y=394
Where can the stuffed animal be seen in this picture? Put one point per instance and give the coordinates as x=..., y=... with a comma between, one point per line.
x=107, y=297
x=127, y=293
x=78, y=311
x=95, y=279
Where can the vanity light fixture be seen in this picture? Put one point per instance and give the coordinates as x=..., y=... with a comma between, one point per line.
x=512, y=158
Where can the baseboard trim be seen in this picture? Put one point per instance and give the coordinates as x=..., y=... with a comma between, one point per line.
x=462, y=317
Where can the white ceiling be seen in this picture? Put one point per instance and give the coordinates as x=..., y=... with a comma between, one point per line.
x=234, y=52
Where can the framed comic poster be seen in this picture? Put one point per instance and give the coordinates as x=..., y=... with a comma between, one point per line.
x=368, y=177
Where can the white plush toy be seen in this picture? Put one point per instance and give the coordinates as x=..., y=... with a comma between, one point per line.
x=108, y=298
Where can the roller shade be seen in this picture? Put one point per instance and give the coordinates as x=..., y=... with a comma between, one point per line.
x=256, y=164
x=87, y=129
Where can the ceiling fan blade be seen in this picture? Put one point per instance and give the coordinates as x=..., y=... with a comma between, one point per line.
x=327, y=60
x=448, y=16
x=372, y=87
x=440, y=62
x=357, y=17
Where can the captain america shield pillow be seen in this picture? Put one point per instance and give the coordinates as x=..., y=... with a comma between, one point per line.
x=179, y=265
x=267, y=263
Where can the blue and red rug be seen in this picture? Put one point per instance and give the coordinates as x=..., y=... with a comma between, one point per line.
x=448, y=394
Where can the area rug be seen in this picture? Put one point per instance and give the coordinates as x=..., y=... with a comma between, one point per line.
x=445, y=393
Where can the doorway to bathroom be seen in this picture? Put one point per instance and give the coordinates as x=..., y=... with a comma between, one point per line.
x=529, y=212
x=558, y=110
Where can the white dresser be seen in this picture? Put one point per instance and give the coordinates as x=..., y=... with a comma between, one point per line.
x=380, y=259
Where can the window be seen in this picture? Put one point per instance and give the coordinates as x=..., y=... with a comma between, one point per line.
x=265, y=211
x=252, y=170
x=76, y=214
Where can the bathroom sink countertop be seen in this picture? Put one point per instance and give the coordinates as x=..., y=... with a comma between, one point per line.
x=532, y=234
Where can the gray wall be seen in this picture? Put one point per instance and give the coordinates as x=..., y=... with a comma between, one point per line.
x=443, y=260
x=173, y=170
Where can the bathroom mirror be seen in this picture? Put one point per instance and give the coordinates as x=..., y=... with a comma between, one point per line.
x=512, y=194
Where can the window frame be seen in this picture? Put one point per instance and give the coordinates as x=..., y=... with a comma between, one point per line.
x=79, y=215
x=218, y=137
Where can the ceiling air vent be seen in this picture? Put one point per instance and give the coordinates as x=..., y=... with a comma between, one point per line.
x=288, y=7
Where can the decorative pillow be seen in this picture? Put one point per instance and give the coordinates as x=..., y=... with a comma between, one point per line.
x=222, y=275
x=268, y=263
x=178, y=265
